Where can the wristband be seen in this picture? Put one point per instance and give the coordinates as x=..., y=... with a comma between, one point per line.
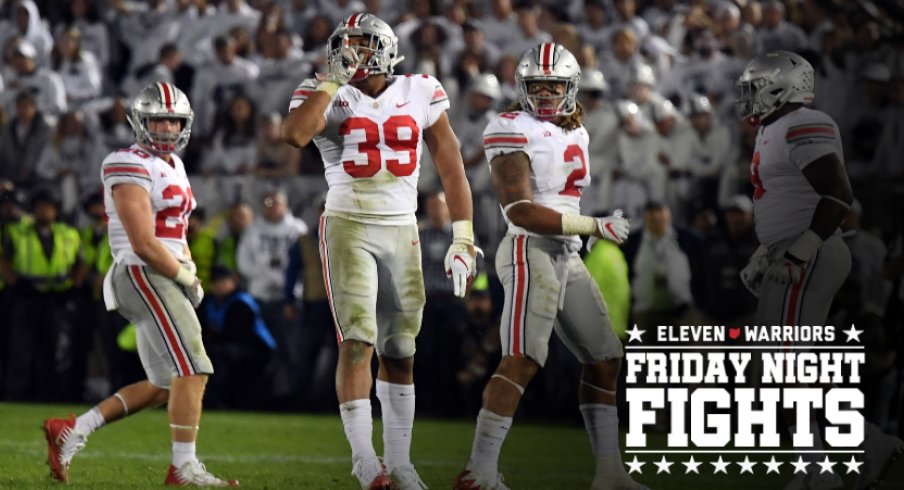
x=805, y=246
x=328, y=87
x=463, y=232
x=576, y=224
x=185, y=277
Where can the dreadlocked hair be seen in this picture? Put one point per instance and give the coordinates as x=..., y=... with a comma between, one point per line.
x=568, y=123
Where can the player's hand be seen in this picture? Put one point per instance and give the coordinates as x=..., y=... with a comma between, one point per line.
x=787, y=269
x=753, y=274
x=343, y=63
x=461, y=266
x=614, y=227
x=195, y=293
x=190, y=265
x=190, y=284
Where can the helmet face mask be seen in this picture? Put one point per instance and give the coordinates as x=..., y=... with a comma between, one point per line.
x=772, y=80
x=375, y=43
x=161, y=101
x=548, y=62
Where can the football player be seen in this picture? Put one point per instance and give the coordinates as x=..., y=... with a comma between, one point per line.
x=538, y=160
x=801, y=196
x=152, y=283
x=368, y=125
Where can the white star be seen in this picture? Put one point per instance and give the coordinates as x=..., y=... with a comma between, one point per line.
x=772, y=465
x=691, y=466
x=826, y=466
x=852, y=334
x=635, y=466
x=853, y=465
x=719, y=466
x=800, y=466
x=635, y=334
x=746, y=465
x=663, y=466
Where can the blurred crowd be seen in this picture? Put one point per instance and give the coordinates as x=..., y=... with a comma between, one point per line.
x=666, y=148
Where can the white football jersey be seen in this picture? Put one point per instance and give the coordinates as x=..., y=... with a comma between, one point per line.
x=558, y=161
x=783, y=199
x=371, y=147
x=171, y=199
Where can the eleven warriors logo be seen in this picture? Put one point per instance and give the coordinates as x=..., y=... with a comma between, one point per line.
x=713, y=399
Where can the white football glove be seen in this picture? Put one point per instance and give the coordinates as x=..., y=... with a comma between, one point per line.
x=461, y=266
x=754, y=272
x=614, y=227
x=195, y=293
x=343, y=63
x=189, y=282
x=786, y=270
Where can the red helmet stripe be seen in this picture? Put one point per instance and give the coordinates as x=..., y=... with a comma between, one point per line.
x=547, y=57
x=353, y=20
x=167, y=96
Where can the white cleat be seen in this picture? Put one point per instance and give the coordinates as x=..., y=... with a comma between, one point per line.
x=194, y=474
x=880, y=450
x=371, y=474
x=406, y=478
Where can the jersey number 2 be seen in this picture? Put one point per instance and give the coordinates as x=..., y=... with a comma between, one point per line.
x=391, y=136
x=180, y=212
x=572, y=188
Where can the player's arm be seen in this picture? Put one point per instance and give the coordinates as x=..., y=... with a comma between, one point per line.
x=306, y=121
x=133, y=205
x=511, y=180
x=446, y=153
x=827, y=176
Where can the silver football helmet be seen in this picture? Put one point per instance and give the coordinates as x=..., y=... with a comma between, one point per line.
x=548, y=62
x=161, y=100
x=382, y=47
x=772, y=80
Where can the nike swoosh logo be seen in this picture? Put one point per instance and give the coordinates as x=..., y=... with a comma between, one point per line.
x=609, y=228
x=399, y=106
x=458, y=258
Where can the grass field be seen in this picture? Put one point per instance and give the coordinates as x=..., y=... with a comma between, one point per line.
x=290, y=451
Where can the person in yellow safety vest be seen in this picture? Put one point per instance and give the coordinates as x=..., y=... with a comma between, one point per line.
x=202, y=244
x=608, y=267
x=41, y=261
x=239, y=217
x=95, y=242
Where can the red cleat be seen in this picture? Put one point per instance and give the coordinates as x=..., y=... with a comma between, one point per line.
x=471, y=480
x=371, y=474
x=62, y=443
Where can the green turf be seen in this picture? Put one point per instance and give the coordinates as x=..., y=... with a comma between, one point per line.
x=277, y=451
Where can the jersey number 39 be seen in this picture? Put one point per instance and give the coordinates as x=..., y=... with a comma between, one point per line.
x=393, y=135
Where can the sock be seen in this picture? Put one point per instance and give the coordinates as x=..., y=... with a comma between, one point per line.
x=488, y=438
x=601, y=422
x=89, y=421
x=359, y=427
x=183, y=452
x=817, y=443
x=397, y=403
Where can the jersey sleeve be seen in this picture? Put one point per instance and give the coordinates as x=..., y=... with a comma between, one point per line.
x=437, y=100
x=504, y=135
x=301, y=93
x=811, y=138
x=126, y=167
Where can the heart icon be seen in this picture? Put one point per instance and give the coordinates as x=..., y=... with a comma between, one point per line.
x=734, y=333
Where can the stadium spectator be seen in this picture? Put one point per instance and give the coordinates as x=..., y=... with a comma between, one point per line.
x=23, y=140
x=275, y=159
x=41, y=261
x=592, y=26
x=619, y=61
x=168, y=64
x=238, y=217
x=281, y=66
x=639, y=177
x=144, y=27
x=626, y=17
x=777, y=34
x=202, y=245
x=719, y=294
x=46, y=85
x=674, y=144
x=27, y=24
x=84, y=15
x=218, y=82
x=114, y=123
x=528, y=33
x=239, y=343
x=79, y=68
x=262, y=257
x=601, y=121
x=232, y=154
x=71, y=162
x=712, y=151
x=232, y=14
x=500, y=24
